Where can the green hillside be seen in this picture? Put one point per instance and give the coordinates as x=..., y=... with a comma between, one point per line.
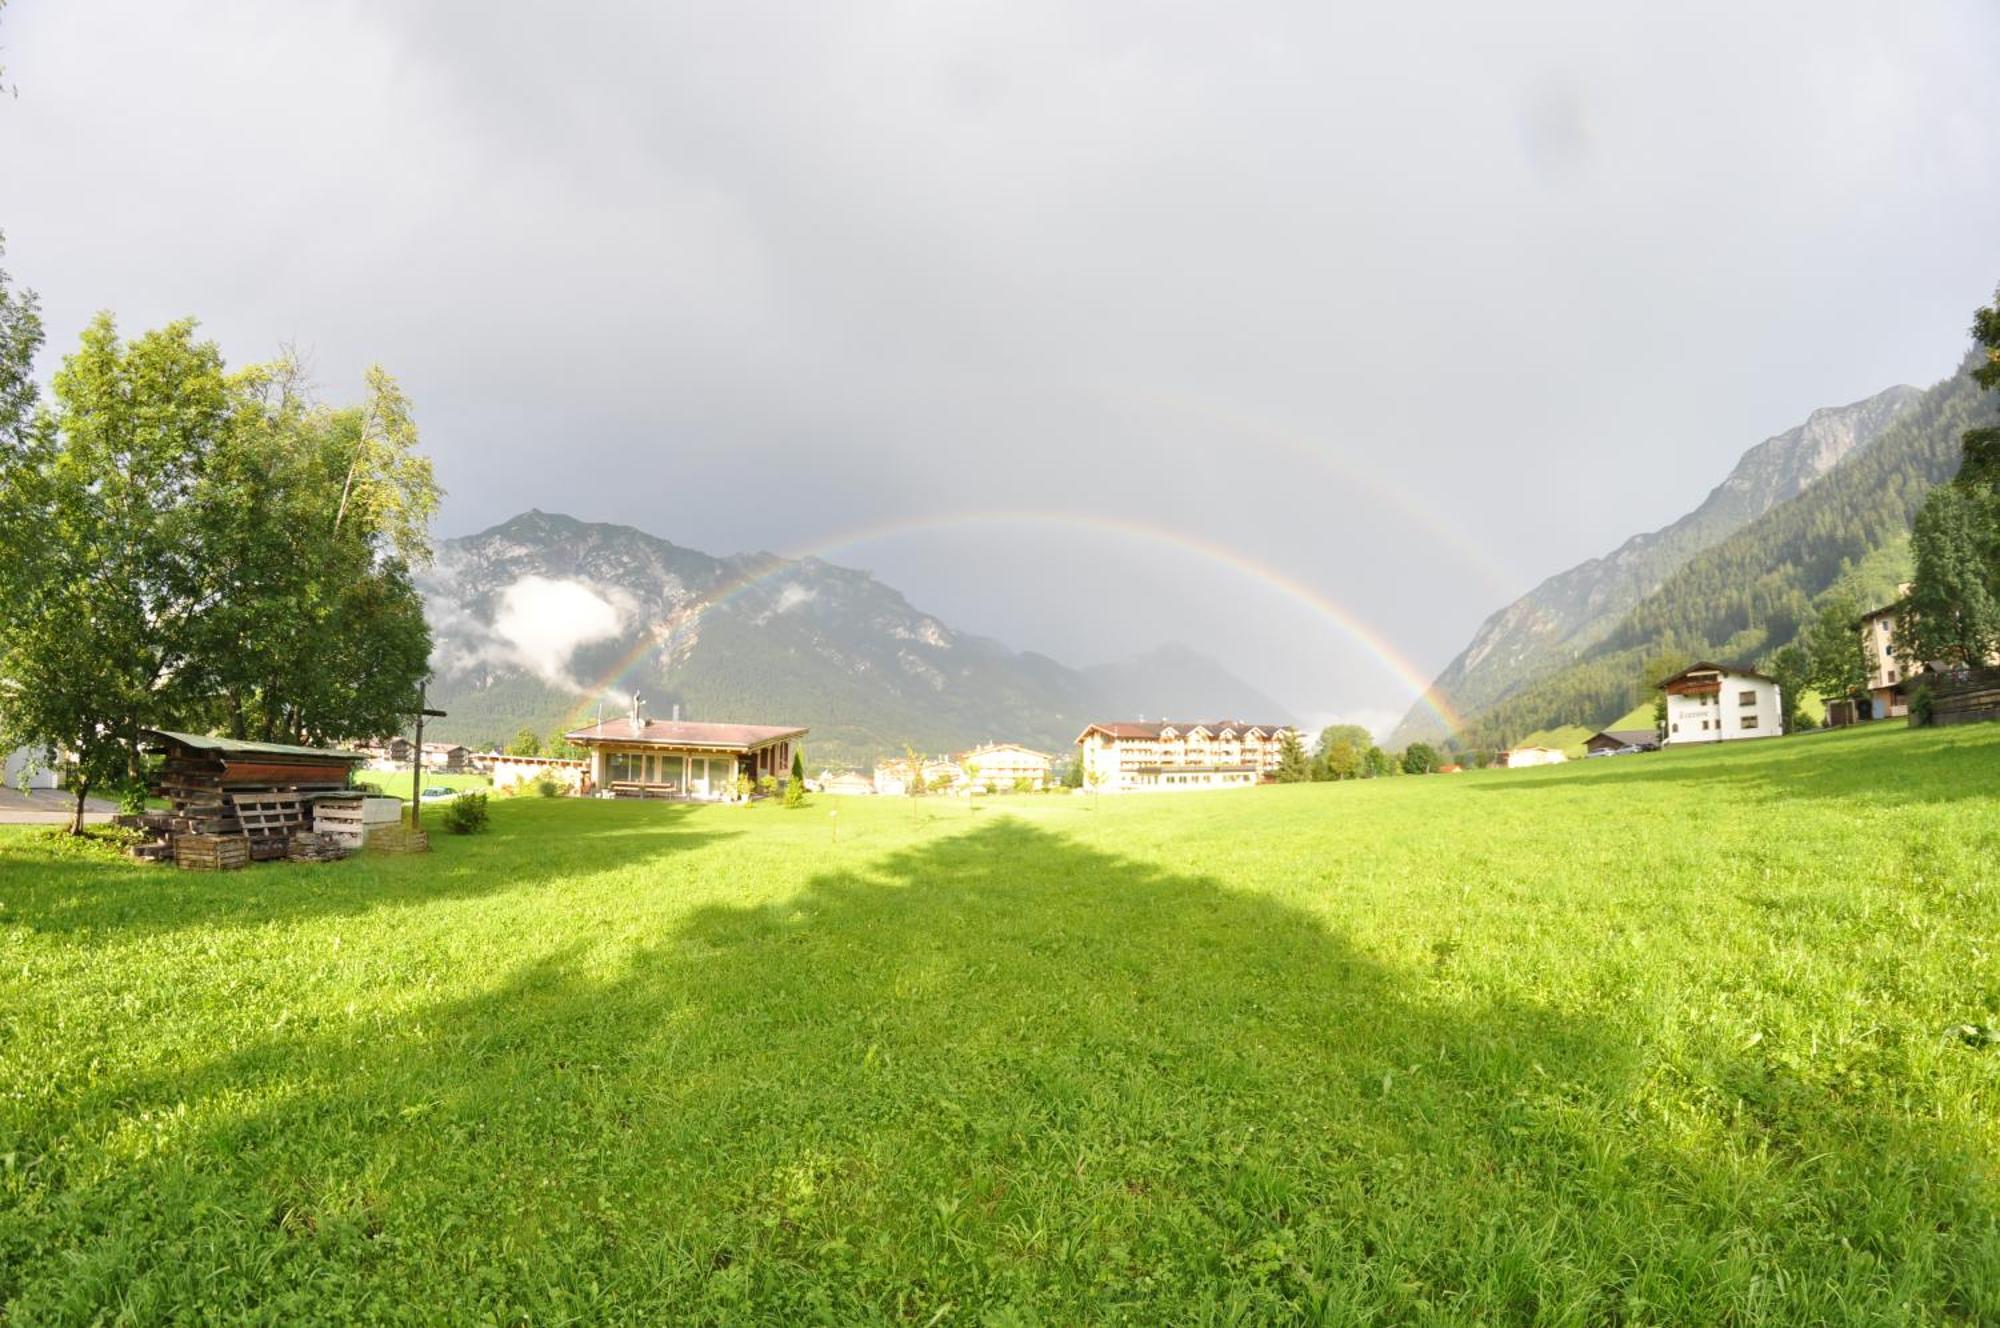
x=1748, y=595
x=1691, y=1038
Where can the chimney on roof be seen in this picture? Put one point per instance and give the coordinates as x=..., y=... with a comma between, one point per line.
x=677, y=712
x=636, y=698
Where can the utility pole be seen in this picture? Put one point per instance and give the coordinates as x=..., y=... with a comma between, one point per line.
x=417, y=760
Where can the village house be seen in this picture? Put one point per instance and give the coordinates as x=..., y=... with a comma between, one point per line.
x=1615, y=742
x=1520, y=757
x=1721, y=703
x=447, y=758
x=1161, y=757
x=845, y=783
x=683, y=759
x=1002, y=765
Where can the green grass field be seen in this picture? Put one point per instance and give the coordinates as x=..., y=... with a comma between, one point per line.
x=1666, y=1039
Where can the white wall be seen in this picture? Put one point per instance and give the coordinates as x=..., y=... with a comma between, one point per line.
x=19, y=761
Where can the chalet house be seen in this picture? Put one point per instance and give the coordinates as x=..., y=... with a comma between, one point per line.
x=1610, y=742
x=1520, y=757
x=682, y=759
x=1721, y=703
x=1165, y=757
x=1000, y=765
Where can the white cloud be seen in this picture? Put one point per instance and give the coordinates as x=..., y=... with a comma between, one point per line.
x=542, y=622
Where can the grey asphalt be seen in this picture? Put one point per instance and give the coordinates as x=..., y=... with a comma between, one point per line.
x=49, y=807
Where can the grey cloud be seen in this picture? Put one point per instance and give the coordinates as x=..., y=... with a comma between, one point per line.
x=1404, y=303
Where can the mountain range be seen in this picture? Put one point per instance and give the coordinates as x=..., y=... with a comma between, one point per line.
x=1573, y=610
x=543, y=619
x=1824, y=508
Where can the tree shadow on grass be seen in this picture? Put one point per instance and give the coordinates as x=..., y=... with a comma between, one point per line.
x=1001, y=1079
x=545, y=841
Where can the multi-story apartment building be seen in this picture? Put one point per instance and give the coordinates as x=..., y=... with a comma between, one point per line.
x=1888, y=676
x=1721, y=703
x=1142, y=757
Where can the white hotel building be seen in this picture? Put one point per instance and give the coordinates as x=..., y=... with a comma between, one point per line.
x=1136, y=758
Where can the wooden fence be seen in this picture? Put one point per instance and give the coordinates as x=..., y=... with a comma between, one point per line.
x=1965, y=696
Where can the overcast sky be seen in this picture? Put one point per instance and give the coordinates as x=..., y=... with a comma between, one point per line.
x=1410, y=306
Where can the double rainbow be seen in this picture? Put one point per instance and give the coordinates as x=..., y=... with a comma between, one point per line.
x=1378, y=646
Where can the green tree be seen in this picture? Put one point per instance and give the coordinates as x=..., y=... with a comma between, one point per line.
x=1655, y=669
x=1073, y=772
x=1337, y=754
x=1952, y=614
x=558, y=745
x=1792, y=669
x=1292, y=765
x=315, y=630
x=1420, y=758
x=1980, y=466
x=104, y=565
x=1836, y=656
x=1379, y=762
x=795, y=788
x=525, y=743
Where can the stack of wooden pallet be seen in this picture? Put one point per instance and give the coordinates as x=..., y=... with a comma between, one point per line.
x=339, y=817
x=257, y=792
x=211, y=852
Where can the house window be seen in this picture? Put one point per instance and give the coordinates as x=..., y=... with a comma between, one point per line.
x=1677, y=726
x=1704, y=726
x=1747, y=698
x=1749, y=721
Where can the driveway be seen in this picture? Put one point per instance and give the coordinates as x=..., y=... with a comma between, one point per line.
x=50, y=807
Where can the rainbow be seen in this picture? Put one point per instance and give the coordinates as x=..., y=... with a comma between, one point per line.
x=1378, y=646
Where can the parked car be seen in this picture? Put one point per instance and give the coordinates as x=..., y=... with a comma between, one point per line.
x=437, y=793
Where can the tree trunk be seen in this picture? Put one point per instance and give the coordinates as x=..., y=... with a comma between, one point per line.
x=76, y=818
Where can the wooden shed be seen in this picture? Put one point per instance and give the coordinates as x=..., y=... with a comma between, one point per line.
x=260, y=791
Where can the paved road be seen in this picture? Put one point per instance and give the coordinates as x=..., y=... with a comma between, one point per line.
x=49, y=807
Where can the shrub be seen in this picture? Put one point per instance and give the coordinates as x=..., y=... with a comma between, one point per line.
x=768, y=785
x=745, y=786
x=546, y=785
x=466, y=813
x=795, y=792
x=1921, y=701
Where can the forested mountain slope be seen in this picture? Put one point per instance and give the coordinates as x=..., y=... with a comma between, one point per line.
x=1748, y=594
x=1569, y=613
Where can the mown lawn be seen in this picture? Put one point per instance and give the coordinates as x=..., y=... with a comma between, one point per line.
x=1659, y=1040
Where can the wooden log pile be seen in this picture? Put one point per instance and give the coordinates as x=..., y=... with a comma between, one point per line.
x=312, y=846
x=398, y=839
